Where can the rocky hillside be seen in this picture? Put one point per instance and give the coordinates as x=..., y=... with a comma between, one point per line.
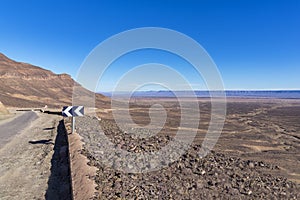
x=25, y=85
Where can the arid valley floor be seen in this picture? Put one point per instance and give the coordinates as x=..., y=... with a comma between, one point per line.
x=256, y=157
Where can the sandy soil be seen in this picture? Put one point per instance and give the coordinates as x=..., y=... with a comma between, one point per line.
x=265, y=130
x=25, y=162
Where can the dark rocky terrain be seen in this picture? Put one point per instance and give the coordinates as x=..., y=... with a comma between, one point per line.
x=219, y=175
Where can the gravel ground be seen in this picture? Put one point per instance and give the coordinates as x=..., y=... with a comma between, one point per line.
x=216, y=176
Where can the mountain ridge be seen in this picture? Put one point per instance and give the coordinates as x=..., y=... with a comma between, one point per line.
x=26, y=85
x=281, y=94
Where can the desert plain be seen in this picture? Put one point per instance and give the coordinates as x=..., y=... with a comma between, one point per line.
x=257, y=155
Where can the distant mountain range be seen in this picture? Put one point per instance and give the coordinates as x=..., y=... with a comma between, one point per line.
x=26, y=85
x=282, y=94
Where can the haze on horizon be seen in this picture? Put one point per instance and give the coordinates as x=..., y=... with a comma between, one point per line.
x=255, y=44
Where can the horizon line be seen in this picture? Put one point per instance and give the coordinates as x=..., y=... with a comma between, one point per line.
x=226, y=90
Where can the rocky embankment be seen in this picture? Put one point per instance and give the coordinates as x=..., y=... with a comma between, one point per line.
x=216, y=176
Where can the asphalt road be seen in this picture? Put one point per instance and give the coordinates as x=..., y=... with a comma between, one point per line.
x=27, y=160
x=10, y=129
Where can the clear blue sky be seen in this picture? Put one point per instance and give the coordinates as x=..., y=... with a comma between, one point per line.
x=255, y=43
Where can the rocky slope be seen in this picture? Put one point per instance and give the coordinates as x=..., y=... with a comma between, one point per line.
x=25, y=85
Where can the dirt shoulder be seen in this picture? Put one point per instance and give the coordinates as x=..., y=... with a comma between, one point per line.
x=82, y=174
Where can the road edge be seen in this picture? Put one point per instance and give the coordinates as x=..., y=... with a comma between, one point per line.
x=82, y=183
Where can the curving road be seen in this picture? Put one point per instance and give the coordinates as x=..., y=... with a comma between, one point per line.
x=26, y=154
x=10, y=129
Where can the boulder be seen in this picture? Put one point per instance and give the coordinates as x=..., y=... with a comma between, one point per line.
x=3, y=110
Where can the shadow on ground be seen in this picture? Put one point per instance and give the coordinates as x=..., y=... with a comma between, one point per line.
x=59, y=183
x=53, y=113
x=41, y=141
x=48, y=129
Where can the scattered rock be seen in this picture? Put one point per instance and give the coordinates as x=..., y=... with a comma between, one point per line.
x=215, y=176
x=251, y=165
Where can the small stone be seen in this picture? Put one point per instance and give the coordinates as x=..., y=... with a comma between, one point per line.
x=251, y=165
x=283, y=193
x=130, y=166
